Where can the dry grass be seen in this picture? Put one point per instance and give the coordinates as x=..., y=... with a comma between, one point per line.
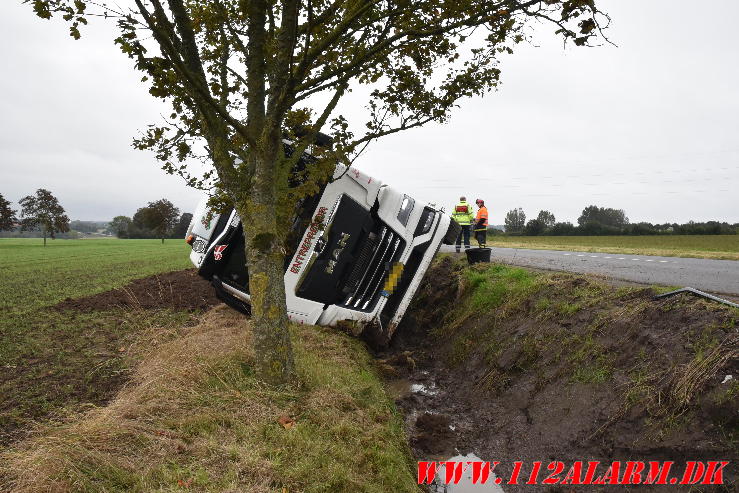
x=667, y=394
x=688, y=381
x=194, y=417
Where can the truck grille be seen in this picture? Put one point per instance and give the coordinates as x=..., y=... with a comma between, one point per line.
x=377, y=255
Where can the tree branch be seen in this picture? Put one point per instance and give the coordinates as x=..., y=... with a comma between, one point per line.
x=358, y=62
x=310, y=137
x=255, y=68
x=199, y=84
x=283, y=85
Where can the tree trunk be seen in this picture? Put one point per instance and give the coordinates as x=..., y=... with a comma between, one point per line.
x=44, y=239
x=265, y=260
x=162, y=240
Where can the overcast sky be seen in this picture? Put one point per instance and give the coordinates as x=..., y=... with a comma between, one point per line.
x=650, y=126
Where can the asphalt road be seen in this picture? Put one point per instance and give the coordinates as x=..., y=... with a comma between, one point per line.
x=713, y=276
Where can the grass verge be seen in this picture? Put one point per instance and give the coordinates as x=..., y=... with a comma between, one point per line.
x=578, y=330
x=194, y=416
x=724, y=247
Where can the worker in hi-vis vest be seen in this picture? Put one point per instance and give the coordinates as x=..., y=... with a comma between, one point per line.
x=463, y=215
x=481, y=223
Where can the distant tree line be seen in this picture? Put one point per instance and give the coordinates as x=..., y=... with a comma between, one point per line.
x=41, y=215
x=89, y=227
x=598, y=221
x=159, y=219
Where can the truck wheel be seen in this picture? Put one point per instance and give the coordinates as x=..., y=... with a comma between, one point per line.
x=450, y=238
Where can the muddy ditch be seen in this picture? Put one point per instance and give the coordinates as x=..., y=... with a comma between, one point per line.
x=565, y=368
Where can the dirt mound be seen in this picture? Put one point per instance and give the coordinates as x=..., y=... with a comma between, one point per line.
x=179, y=290
x=567, y=368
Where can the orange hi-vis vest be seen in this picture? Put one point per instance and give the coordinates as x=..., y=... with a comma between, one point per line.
x=481, y=221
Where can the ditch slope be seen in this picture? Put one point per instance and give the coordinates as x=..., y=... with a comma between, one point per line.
x=512, y=365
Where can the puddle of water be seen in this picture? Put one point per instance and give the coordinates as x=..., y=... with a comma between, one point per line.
x=465, y=484
x=402, y=388
x=399, y=389
x=419, y=388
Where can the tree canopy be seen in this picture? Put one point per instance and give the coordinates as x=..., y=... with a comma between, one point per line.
x=180, y=229
x=515, y=220
x=159, y=216
x=8, y=219
x=546, y=218
x=604, y=216
x=242, y=75
x=119, y=226
x=43, y=211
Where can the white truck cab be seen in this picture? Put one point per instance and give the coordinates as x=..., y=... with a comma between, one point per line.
x=357, y=253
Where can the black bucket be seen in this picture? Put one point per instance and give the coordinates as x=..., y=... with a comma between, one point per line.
x=476, y=255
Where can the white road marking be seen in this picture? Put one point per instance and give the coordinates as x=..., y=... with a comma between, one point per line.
x=648, y=260
x=635, y=259
x=581, y=255
x=620, y=258
x=593, y=256
x=664, y=261
x=607, y=257
x=568, y=254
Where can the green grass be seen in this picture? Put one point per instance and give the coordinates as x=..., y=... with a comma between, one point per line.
x=486, y=289
x=698, y=246
x=492, y=286
x=35, y=276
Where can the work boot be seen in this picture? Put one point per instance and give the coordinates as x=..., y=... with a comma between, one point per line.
x=457, y=249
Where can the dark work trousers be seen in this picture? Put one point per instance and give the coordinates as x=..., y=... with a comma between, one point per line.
x=466, y=233
x=481, y=237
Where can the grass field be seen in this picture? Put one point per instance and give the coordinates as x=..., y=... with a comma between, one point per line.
x=698, y=246
x=34, y=276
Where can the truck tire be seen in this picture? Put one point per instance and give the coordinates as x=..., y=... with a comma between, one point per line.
x=450, y=238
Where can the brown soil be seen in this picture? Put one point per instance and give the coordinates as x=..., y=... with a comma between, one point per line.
x=623, y=378
x=179, y=290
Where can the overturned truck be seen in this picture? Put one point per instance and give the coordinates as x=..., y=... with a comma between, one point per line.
x=357, y=252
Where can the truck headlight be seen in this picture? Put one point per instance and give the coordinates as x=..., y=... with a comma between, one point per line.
x=427, y=220
x=406, y=207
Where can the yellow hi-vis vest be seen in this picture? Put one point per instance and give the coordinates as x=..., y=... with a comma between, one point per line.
x=462, y=213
